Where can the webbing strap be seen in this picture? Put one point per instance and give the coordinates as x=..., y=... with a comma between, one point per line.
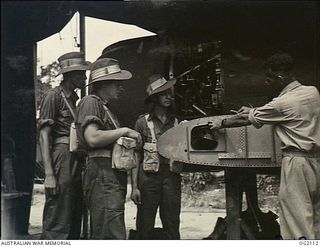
x=68, y=105
x=151, y=127
x=114, y=122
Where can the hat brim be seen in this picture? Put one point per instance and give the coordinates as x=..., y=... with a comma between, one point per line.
x=170, y=83
x=120, y=76
x=75, y=68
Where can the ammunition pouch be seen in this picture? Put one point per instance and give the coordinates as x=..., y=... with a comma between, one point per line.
x=123, y=155
x=151, y=161
x=74, y=142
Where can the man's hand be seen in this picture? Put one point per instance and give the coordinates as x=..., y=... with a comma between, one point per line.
x=50, y=184
x=215, y=126
x=244, y=110
x=136, y=196
x=134, y=134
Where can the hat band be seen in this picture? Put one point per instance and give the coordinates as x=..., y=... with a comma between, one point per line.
x=157, y=84
x=72, y=62
x=112, y=69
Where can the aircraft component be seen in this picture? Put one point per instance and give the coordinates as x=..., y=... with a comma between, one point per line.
x=193, y=142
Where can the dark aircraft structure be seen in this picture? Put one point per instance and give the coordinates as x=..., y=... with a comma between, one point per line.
x=215, y=49
x=242, y=153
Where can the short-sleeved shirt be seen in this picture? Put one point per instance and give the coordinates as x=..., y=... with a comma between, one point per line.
x=296, y=116
x=159, y=129
x=91, y=109
x=54, y=111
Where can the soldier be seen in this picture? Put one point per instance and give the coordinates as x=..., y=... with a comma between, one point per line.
x=295, y=113
x=154, y=184
x=97, y=130
x=62, y=212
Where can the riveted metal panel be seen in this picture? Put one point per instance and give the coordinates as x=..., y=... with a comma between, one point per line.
x=239, y=147
x=247, y=163
x=251, y=155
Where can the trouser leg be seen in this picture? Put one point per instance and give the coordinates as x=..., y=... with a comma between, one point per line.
x=61, y=216
x=105, y=192
x=317, y=217
x=115, y=200
x=150, y=191
x=316, y=199
x=76, y=213
x=298, y=197
x=170, y=205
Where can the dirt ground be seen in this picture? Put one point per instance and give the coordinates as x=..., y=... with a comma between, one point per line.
x=197, y=221
x=199, y=210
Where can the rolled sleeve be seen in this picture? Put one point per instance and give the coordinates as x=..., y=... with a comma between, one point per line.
x=91, y=119
x=47, y=110
x=89, y=111
x=45, y=122
x=267, y=114
x=253, y=120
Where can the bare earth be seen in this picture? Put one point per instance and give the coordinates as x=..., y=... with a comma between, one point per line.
x=197, y=220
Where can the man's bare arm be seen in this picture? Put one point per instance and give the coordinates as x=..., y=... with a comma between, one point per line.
x=44, y=141
x=97, y=138
x=236, y=121
x=135, y=194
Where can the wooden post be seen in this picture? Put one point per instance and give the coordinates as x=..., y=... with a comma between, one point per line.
x=82, y=27
x=233, y=202
x=85, y=214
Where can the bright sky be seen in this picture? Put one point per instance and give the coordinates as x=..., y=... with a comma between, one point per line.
x=99, y=34
x=49, y=49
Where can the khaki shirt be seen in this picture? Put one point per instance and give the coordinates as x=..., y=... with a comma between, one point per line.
x=54, y=112
x=296, y=116
x=159, y=128
x=91, y=110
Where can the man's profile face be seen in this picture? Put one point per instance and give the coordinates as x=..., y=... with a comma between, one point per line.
x=79, y=78
x=117, y=89
x=274, y=80
x=271, y=77
x=113, y=89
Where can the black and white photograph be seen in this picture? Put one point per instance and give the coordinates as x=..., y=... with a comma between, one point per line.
x=160, y=120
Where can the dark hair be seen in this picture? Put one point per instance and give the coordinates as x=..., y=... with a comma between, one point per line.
x=279, y=62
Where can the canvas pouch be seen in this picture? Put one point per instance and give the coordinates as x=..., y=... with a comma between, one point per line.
x=123, y=155
x=151, y=160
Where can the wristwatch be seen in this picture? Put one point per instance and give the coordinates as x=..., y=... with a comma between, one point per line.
x=223, y=122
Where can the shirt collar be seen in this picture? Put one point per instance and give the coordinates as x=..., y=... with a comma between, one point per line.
x=69, y=94
x=290, y=87
x=104, y=102
x=152, y=115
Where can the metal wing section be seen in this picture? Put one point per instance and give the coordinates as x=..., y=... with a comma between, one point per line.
x=194, y=143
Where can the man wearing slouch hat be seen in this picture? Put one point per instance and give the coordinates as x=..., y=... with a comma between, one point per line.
x=98, y=130
x=155, y=183
x=62, y=211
